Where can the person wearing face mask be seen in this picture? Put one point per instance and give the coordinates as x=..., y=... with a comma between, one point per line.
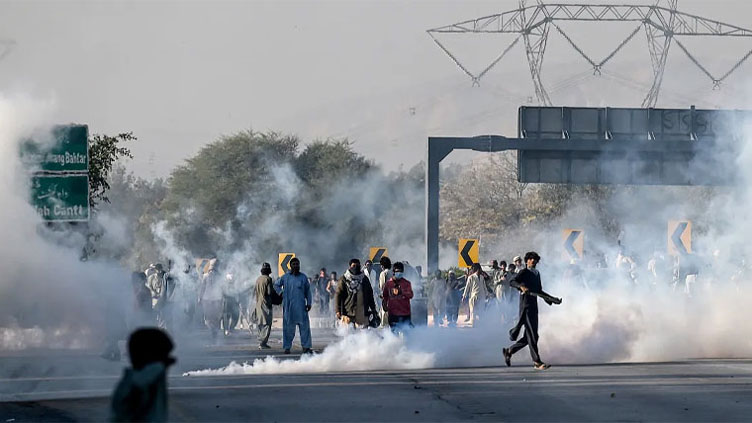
x=353, y=300
x=397, y=294
x=296, y=303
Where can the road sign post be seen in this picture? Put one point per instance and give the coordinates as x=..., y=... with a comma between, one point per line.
x=284, y=263
x=467, y=252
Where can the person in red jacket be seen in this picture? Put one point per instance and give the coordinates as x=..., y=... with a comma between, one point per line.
x=396, y=298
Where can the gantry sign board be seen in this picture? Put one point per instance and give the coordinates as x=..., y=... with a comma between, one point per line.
x=63, y=149
x=574, y=244
x=59, y=160
x=629, y=146
x=283, y=265
x=679, y=237
x=467, y=252
x=61, y=198
x=376, y=253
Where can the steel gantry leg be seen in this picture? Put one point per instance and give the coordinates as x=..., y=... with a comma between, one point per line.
x=437, y=151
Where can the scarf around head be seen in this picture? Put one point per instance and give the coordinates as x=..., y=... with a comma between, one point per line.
x=353, y=281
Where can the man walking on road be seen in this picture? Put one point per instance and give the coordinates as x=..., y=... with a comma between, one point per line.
x=528, y=281
x=397, y=294
x=384, y=276
x=353, y=300
x=296, y=303
x=264, y=287
x=475, y=293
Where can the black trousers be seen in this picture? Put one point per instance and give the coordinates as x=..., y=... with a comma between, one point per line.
x=397, y=322
x=529, y=320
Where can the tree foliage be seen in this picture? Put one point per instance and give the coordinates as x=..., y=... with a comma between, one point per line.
x=104, y=151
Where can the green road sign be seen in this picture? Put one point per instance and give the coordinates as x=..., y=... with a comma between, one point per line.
x=66, y=151
x=61, y=198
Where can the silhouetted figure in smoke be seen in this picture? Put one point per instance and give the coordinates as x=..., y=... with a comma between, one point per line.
x=384, y=276
x=230, y=304
x=454, y=296
x=141, y=313
x=210, y=297
x=321, y=294
x=264, y=288
x=115, y=320
x=331, y=289
x=438, y=298
x=475, y=293
x=141, y=394
x=528, y=281
x=296, y=303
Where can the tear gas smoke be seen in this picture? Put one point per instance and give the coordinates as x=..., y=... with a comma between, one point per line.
x=356, y=351
x=610, y=314
x=49, y=297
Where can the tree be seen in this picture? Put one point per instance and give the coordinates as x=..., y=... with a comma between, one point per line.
x=323, y=162
x=104, y=151
x=485, y=198
x=207, y=192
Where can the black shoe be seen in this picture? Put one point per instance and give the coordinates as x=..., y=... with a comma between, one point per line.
x=287, y=351
x=264, y=347
x=507, y=356
x=307, y=351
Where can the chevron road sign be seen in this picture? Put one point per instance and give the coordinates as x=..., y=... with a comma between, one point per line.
x=376, y=253
x=467, y=252
x=574, y=243
x=679, y=237
x=284, y=262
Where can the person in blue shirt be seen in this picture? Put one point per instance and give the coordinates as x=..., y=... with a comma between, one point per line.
x=296, y=303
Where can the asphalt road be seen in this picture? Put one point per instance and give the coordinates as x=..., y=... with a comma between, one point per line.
x=75, y=385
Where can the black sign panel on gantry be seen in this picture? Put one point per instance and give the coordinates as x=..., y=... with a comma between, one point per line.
x=630, y=146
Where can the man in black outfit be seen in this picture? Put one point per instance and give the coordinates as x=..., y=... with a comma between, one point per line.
x=528, y=282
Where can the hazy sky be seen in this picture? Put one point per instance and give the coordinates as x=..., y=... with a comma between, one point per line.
x=179, y=74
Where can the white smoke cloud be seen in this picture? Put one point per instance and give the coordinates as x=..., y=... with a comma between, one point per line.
x=49, y=297
x=356, y=351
